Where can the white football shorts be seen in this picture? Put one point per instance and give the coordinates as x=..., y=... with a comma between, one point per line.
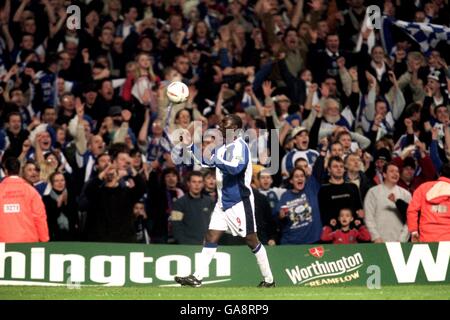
x=239, y=219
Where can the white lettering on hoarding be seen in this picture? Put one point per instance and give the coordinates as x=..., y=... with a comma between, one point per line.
x=137, y=267
x=17, y=263
x=77, y=267
x=117, y=273
x=183, y=267
x=223, y=264
x=38, y=263
x=406, y=270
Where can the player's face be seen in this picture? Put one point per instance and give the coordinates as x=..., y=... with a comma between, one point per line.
x=345, y=217
x=228, y=132
x=265, y=181
x=298, y=180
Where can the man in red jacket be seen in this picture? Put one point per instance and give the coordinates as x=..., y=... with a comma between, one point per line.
x=408, y=165
x=22, y=212
x=432, y=201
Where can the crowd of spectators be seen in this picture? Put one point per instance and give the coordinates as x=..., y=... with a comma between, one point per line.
x=359, y=128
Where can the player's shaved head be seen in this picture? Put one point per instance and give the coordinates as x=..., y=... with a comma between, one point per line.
x=230, y=122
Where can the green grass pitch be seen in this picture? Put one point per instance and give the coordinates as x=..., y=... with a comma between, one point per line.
x=416, y=292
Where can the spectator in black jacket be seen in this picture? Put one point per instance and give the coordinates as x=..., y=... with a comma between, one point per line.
x=325, y=61
x=265, y=225
x=110, y=213
x=16, y=134
x=142, y=225
x=162, y=194
x=61, y=210
x=338, y=194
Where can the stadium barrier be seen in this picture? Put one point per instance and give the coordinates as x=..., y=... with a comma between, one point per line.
x=76, y=264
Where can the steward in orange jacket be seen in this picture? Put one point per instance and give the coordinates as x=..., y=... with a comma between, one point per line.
x=428, y=214
x=22, y=212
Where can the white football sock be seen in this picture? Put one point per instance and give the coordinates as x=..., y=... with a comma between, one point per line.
x=263, y=262
x=207, y=254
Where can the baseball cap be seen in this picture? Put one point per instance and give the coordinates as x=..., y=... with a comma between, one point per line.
x=208, y=111
x=297, y=130
x=143, y=36
x=383, y=154
x=293, y=117
x=115, y=111
x=90, y=87
x=195, y=46
x=409, y=162
x=257, y=168
x=434, y=75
